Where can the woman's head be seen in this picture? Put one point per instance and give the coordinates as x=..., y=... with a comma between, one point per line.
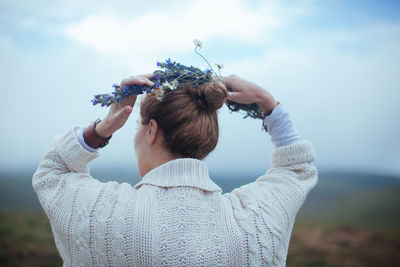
x=187, y=118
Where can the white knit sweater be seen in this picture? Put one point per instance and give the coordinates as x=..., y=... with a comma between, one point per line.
x=176, y=216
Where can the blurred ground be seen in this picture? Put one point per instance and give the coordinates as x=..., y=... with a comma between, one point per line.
x=349, y=219
x=343, y=245
x=26, y=240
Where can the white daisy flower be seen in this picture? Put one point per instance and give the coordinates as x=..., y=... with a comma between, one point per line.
x=159, y=93
x=198, y=43
x=175, y=84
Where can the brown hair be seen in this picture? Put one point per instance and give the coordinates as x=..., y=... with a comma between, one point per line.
x=187, y=118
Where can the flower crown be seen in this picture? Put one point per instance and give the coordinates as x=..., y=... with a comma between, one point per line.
x=171, y=78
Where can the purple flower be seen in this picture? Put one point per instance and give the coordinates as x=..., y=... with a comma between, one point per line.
x=169, y=63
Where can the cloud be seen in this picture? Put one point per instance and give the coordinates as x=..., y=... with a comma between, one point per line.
x=170, y=29
x=57, y=9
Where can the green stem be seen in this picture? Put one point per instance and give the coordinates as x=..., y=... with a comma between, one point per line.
x=208, y=63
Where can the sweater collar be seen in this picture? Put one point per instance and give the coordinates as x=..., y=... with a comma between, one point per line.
x=180, y=172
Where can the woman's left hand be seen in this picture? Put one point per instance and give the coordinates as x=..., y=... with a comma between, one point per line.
x=119, y=112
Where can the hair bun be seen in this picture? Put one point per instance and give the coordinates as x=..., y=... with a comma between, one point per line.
x=209, y=96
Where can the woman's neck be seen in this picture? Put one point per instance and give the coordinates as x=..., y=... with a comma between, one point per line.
x=158, y=157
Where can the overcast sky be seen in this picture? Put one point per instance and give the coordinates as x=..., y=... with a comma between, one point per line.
x=334, y=66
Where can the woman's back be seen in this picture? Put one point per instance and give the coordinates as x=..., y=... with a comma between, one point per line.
x=176, y=216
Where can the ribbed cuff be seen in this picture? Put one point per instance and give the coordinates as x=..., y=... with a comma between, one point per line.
x=281, y=128
x=73, y=154
x=81, y=140
x=297, y=153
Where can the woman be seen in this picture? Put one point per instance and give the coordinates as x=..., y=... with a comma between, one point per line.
x=176, y=215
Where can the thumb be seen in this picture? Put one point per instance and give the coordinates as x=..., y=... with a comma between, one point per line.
x=117, y=120
x=124, y=113
x=127, y=110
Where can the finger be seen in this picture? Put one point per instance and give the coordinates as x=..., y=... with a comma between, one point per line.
x=148, y=75
x=131, y=81
x=125, y=112
x=129, y=101
x=138, y=80
x=147, y=78
x=122, y=116
x=229, y=81
x=234, y=96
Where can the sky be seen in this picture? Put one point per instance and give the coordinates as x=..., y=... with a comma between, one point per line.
x=333, y=65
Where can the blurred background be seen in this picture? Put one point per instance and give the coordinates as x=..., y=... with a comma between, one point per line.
x=333, y=64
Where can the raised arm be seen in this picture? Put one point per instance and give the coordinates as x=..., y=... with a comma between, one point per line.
x=266, y=208
x=63, y=174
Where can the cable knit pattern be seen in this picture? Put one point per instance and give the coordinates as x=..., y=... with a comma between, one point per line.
x=176, y=215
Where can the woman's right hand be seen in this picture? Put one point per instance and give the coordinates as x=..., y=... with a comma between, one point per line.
x=119, y=112
x=245, y=92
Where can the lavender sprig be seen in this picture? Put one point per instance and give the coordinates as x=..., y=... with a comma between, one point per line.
x=169, y=79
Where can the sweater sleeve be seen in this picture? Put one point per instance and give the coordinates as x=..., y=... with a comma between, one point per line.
x=266, y=209
x=66, y=190
x=62, y=171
